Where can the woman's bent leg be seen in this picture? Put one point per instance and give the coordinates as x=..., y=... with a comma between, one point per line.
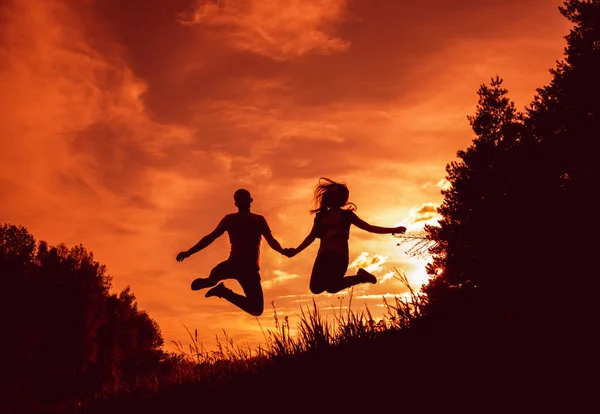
x=328, y=272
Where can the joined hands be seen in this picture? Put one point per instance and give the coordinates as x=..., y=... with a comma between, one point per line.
x=289, y=252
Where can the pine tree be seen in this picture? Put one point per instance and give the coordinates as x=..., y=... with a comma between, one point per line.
x=518, y=223
x=475, y=222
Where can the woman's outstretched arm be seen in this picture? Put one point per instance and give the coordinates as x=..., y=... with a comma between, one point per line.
x=361, y=224
x=307, y=241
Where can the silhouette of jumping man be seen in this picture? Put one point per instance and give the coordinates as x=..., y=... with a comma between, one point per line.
x=334, y=215
x=245, y=230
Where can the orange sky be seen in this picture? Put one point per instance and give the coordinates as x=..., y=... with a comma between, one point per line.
x=127, y=126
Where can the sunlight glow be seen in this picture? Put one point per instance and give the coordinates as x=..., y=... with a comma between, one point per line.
x=372, y=263
x=418, y=276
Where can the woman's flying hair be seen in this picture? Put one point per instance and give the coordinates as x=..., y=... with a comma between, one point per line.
x=331, y=194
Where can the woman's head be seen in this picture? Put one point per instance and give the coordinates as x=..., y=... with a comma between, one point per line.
x=330, y=194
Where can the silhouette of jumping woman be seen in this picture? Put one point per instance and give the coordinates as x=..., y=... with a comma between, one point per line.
x=245, y=230
x=334, y=215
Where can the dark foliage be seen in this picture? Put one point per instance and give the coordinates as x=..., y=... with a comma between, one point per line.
x=66, y=338
x=516, y=242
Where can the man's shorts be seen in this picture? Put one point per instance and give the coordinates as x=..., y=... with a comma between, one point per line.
x=240, y=270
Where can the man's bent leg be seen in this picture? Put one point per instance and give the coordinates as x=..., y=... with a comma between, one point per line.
x=254, y=299
x=218, y=273
x=252, y=303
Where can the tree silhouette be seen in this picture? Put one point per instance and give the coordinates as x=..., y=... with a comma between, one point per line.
x=515, y=222
x=475, y=229
x=66, y=336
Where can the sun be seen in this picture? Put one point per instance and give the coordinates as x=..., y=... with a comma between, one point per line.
x=418, y=276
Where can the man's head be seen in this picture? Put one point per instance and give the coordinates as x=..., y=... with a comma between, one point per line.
x=242, y=199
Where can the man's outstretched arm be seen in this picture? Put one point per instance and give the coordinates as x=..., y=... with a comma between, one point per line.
x=204, y=242
x=273, y=243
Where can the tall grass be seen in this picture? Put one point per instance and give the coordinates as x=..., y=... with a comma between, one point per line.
x=193, y=365
x=314, y=332
x=208, y=371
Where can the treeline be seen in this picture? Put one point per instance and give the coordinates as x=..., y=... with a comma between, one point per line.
x=66, y=338
x=517, y=238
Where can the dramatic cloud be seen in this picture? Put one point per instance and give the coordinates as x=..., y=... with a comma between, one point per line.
x=442, y=184
x=278, y=29
x=127, y=126
x=372, y=263
x=426, y=213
